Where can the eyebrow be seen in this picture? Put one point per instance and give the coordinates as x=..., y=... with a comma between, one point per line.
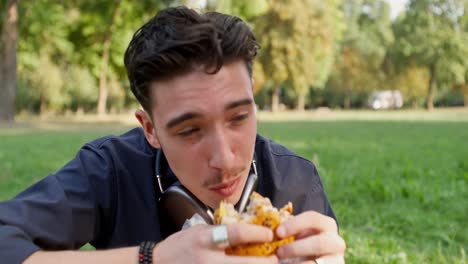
x=182, y=118
x=241, y=102
x=191, y=115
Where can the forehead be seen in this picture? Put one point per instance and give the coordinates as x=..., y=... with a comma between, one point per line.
x=200, y=91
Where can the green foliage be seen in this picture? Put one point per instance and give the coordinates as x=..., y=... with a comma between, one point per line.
x=51, y=88
x=450, y=98
x=413, y=84
x=430, y=36
x=358, y=68
x=263, y=97
x=44, y=26
x=27, y=98
x=63, y=41
x=89, y=33
x=2, y=14
x=48, y=81
x=80, y=85
x=42, y=55
x=350, y=48
x=246, y=9
x=334, y=97
x=42, y=89
x=297, y=39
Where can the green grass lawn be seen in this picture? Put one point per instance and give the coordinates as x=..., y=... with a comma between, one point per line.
x=398, y=188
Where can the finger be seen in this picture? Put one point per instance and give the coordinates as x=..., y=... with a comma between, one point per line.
x=306, y=233
x=307, y=220
x=328, y=243
x=251, y=260
x=336, y=259
x=247, y=233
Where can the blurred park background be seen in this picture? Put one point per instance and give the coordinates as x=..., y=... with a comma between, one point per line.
x=65, y=56
x=397, y=178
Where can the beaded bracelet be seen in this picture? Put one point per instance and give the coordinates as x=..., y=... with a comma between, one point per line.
x=145, y=253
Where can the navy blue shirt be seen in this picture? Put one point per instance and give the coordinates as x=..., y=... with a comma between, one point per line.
x=107, y=196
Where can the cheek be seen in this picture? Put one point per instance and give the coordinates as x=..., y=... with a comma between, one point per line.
x=187, y=165
x=247, y=138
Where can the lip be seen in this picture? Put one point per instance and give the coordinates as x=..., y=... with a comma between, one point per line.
x=226, y=189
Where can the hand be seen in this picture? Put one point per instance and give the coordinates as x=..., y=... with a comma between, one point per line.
x=195, y=245
x=316, y=238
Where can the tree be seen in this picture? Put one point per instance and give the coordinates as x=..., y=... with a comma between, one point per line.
x=429, y=36
x=463, y=87
x=44, y=53
x=246, y=9
x=8, y=45
x=66, y=41
x=412, y=83
x=89, y=35
x=462, y=83
x=102, y=101
x=358, y=67
x=297, y=39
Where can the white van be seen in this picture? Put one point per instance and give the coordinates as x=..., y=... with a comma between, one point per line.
x=388, y=99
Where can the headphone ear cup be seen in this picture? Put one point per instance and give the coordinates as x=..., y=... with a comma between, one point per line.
x=176, y=205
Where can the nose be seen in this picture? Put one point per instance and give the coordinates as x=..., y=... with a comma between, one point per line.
x=222, y=155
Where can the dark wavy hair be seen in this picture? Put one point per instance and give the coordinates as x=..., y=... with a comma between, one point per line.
x=178, y=39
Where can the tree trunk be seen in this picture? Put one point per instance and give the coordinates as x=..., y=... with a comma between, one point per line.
x=275, y=98
x=42, y=106
x=432, y=87
x=300, y=102
x=103, y=93
x=9, y=40
x=347, y=101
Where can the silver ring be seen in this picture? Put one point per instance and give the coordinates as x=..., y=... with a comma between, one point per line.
x=220, y=236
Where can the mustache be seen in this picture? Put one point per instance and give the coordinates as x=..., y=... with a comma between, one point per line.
x=223, y=176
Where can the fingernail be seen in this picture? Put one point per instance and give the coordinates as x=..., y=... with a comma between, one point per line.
x=281, y=231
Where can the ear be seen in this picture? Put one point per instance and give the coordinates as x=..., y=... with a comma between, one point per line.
x=148, y=127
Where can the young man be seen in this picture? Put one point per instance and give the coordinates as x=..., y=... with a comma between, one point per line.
x=192, y=74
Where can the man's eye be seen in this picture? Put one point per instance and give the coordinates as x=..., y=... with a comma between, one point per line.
x=239, y=117
x=188, y=132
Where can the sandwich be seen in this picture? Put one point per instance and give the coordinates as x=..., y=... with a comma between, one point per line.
x=260, y=211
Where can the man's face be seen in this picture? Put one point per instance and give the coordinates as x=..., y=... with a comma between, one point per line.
x=206, y=126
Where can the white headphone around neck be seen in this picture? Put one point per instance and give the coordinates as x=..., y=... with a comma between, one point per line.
x=177, y=203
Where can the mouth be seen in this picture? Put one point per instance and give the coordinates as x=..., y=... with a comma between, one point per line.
x=226, y=189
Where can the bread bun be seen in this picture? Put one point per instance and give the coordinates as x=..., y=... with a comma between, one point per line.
x=260, y=211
